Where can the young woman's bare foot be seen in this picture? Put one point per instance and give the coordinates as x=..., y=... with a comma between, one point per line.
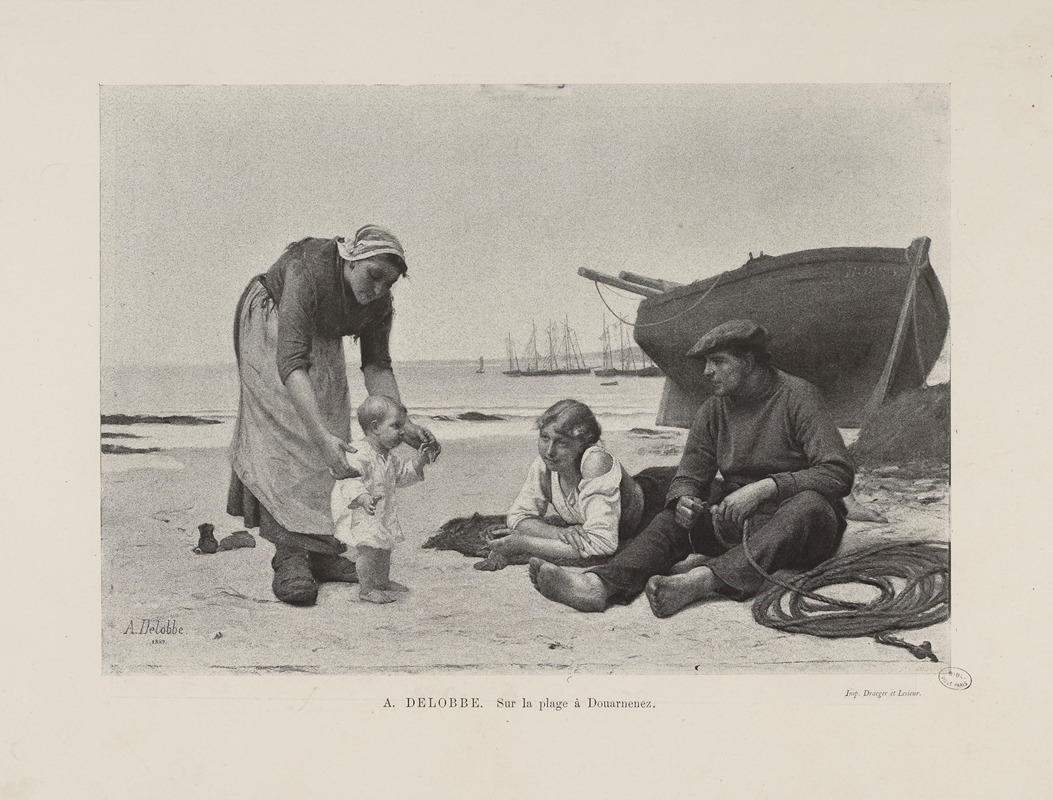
x=582, y=591
x=376, y=596
x=494, y=561
x=394, y=586
x=667, y=595
x=688, y=564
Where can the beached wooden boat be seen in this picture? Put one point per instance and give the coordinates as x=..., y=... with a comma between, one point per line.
x=861, y=323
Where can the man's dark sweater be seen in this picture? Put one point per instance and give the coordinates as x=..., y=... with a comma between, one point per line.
x=779, y=432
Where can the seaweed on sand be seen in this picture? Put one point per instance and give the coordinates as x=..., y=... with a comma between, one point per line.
x=913, y=432
x=467, y=535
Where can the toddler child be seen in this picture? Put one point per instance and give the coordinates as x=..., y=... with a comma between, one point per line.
x=364, y=508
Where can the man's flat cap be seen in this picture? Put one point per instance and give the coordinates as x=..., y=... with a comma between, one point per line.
x=738, y=334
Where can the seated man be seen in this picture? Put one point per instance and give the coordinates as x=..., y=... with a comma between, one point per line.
x=785, y=471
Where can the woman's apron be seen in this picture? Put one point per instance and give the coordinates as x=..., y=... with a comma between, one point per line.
x=273, y=458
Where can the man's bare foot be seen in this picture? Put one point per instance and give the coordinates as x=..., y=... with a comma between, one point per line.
x=394, y=586
x=688, y=564
x=667, y=595
x=535, y=568
x=582, y=591
x=376, y=596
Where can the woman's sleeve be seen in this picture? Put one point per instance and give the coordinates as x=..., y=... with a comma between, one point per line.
x=296, y=321
x=531, y=502
x=600, y=501
x=374, y=342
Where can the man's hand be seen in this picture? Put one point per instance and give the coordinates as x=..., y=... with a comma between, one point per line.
x=688, y=510
x=741, y=504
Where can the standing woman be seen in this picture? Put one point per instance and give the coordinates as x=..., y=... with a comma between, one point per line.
x=294, y=415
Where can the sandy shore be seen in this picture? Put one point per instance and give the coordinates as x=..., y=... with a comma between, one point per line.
x=455, y=619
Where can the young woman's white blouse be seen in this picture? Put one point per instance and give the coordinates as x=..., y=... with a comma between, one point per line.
x=591, y=510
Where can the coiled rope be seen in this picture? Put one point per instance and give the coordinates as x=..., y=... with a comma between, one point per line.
x=675, y=316
x=792, y=602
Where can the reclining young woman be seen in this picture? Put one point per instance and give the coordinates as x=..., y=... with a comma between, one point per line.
x=578, y=501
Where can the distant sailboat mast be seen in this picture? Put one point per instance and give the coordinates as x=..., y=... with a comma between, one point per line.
x=513, y=358
x=608, y=354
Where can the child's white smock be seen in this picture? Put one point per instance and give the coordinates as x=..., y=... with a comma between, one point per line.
x=380, y=477
x=591, y=510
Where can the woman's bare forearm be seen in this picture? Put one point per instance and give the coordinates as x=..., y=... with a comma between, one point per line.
x=381, y=381
x=539, y=528
x=518, y=544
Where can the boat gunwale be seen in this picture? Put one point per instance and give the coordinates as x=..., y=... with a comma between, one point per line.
x=761, y=266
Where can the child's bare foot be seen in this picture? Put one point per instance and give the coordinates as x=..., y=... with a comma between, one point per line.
x=376, y=596
x=688, y=564
x=584, y=591
x=395, y=586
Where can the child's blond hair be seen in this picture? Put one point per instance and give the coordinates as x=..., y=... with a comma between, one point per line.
x=377, y=408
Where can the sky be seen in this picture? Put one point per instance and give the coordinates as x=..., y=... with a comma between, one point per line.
x=498, y=193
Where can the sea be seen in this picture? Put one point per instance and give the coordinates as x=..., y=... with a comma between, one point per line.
x=437, y=393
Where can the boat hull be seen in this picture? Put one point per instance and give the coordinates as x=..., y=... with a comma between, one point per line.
x=832, y=314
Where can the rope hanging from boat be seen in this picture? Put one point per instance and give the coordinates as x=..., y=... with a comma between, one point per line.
x=796, y=606
x=675, y=316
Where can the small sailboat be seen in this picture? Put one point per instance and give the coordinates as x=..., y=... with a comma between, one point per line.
x=481, y=369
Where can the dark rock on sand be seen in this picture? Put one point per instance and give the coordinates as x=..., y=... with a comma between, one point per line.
x=468, y=416
x=120, y=449
x=150, y=419
x=649, y=432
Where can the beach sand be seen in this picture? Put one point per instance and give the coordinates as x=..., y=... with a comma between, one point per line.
x=455, y=619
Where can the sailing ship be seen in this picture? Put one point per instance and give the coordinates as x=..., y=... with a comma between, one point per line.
x=627, y=358
x=563, y=357
x=481, y=369
x=863, y=324
x=513, y=370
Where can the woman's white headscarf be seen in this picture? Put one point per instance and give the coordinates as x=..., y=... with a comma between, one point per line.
x=371, y=240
